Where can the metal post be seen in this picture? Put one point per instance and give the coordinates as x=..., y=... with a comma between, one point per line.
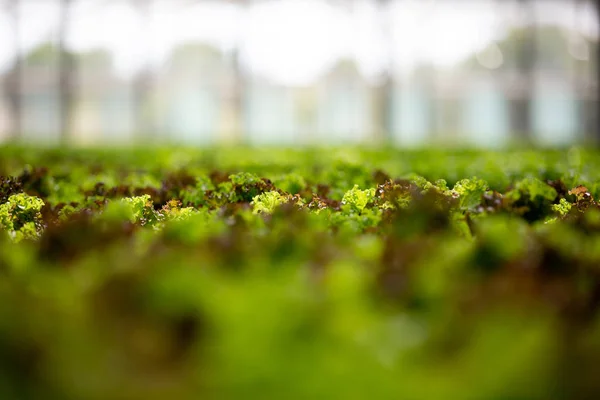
x=14, y=79
x=142, y=85
x=526, y=59
x=385, y=91
x=66, y=71
x=237, y=88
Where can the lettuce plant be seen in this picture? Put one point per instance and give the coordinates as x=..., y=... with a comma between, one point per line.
x=469, y=192
x=138, y=209
x=534, y=189
x=267, y=202
x=20, y=216
x=562, y=208
x=355, y=199
x=290, y=183
x=245, y=186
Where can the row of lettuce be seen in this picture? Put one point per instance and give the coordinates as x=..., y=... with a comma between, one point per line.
x=358, y=210
x=121, y=278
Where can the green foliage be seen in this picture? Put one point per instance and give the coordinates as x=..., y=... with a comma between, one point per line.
x=439, y=185
x=66, y=211
x=534, y=188
x=493, y=248
x=355, y=200
x=179, y=214
x=421, y=182
x=192, y=227
x=562, y=208
x=290, y=183
x=241, y=187
x=138, y=209
x=390, y=195
x=266, y=202
x=197, y=196
x=9, y=186
x=20, y=216
x=343, y=174
x=150, y=277
x=532, y=198
x=469, y=192
x=64, y=191
x=244, y=179
x=353, y=221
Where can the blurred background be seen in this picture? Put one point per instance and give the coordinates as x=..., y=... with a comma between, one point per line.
x=199, y=72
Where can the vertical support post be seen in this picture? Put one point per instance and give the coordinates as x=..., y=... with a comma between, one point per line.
x=235, y=90
x=66, y=72
x=142, y=84
x=526, y=60
x=14, y=79
x=384, y=92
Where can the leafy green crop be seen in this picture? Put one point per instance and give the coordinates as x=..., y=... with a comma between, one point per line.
x=334, y=273
x=355, y=200
x=469, y=192
x=266, y=202
x=562, y=208
x=291, y=183
x=533, y=188
x=134, y=209
x=20, y=216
